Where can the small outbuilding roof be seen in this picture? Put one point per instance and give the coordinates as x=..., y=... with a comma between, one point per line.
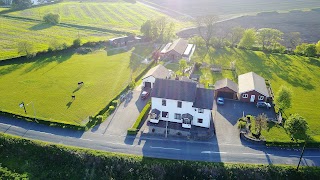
x=226, y=83
x=179, y=45
x=158, y=71
x=252, y=82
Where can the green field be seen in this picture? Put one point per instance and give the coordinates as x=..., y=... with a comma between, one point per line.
x=301, y=74
x=40, y=35
x=111, y=15
x=49, y=82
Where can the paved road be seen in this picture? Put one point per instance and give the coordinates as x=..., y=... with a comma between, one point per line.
x=159, y=147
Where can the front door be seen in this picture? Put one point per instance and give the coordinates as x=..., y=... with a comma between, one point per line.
x=252, y=98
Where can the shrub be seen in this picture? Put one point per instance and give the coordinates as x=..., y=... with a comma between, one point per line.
x=241, y=124
x=76, y=43
x=111, y=109
x=132, y=131
x=99, y=118
x=140, y=119
x=51, y=18
x=115, y=103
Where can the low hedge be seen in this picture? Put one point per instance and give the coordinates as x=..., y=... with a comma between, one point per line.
x=51, y=161
x=142, y=116
x=5, y=173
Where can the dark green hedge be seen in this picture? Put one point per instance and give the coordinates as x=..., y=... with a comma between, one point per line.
x=47, y=161
x=142, y=116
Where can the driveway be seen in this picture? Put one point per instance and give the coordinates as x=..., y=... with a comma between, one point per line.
x=124, y=116
x=226, y=117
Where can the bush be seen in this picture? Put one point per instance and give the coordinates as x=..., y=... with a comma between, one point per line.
x=241, y=124
x=140, y=119
x=111, y=109
x=76, y=43
x=51, y=18
x=132, y=131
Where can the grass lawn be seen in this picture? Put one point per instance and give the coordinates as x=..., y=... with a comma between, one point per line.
x=40, y=35
x=2, y=9
x=49, y=83
x=118, y=15
x=301, y=74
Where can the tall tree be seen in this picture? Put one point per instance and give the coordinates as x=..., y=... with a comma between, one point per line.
x=269, y=37
x=25, y=48
x=206, y=27
x=283, y=98
x=21, y=4
x=248, y=39
x=183, y=65
x=296, y=126
x=311, y=50
x=235, y=35
x=146, y=29
x=161, y=23
x=293, y=39
x=261, y=123
x=300, y=49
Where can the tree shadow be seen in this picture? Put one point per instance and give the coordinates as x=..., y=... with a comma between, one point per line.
x=115, y=51
x=40, y=26
x=314, y=62
x=10, y=68
x=77, y=89
x=45, y=60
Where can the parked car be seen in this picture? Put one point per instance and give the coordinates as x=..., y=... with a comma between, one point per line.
x=220, y=101
x=144, y=94
x=263, y=105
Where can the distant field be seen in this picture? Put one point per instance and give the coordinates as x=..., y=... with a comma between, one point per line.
x=302, y=74
x=227, y=8
x=49, y=83
x=2, y=9
x=40, y=35
x=108, y=15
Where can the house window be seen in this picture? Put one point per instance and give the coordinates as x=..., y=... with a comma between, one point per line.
x=200, y=110
x=165, y=114
x=244, y=95
x=261, y=98
x=177, y=116
x=164, y=102
x=200, y=120
x=186, y=121
x=179, y=104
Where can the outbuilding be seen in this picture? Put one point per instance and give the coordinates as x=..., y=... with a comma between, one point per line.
x=252, y=88
x=159, y=72
x=226, y=88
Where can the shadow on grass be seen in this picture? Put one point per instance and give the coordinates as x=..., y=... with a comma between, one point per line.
x=115, y=51
x=40, y=26
x=314, y=62
x=77, y=89
x=45, y=60
x=69, y=104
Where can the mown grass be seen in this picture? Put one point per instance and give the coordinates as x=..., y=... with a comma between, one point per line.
x=301, y=74
x=3, y=9
x=50, y=81
x=118, y=15
x=38, y=160
x=40, y=35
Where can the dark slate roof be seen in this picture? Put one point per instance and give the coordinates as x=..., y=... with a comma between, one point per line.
x=174, y=89
x=226, y=83
x=204, y=98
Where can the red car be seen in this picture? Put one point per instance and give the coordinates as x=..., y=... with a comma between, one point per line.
x=144, y=95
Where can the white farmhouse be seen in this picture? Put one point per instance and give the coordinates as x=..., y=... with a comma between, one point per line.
x=157, y=72
x=181, y=102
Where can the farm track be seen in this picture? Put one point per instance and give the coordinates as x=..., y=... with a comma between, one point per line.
x=95, y=29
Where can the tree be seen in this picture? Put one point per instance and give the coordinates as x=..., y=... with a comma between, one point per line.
x=183, y=65
x=283, y=98
x=261, y=123
x=25, y=47
x=248, y=39
x=77, y=42
x=206, y=27
x=21, y=4
x=269, y=37
x=311, y=50
x=293, y=39
x=300, y=49
x=296, y=126
x=146, y=29
x=235, y=35
x=318, y=47
x=51, y=18
x=55, y=45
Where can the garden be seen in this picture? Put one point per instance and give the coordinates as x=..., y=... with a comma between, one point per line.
x=49, y=84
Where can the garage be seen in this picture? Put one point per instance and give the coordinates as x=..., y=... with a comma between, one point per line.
x=227, y=95
x=226, y=88
x=147, y=84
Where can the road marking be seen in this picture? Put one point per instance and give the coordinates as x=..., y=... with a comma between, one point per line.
x=213, y=152
x=165, y=148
